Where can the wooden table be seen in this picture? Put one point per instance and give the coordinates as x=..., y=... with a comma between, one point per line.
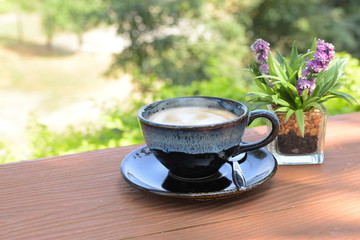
x=83, y=196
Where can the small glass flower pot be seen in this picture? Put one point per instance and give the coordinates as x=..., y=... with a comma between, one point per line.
x=291, y=148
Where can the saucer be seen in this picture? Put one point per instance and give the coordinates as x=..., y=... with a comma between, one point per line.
x=142, y=170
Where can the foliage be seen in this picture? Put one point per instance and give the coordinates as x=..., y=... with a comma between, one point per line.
x=118, y=126
x=351, y=87
x=144, y=24
x=84, y=15
x=52, y=18
x=23, y=5
x=110, y=132
x=58, y=16
x=7, y=152
x=183, y=48
x=175, y=41
x=5, y=7
x=298, y=84
x=336, y=21
x=20, y=6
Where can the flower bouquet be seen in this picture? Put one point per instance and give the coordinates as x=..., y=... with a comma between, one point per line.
x=295, y=88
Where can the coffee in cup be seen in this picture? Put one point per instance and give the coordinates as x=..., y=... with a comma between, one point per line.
x=192, y=116
x=194, y=136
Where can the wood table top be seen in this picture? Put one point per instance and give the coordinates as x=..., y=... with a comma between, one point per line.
x=83, y=196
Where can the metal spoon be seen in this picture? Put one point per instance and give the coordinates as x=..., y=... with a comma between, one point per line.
x=237, y=173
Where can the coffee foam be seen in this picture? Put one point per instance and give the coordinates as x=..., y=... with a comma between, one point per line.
x=192, y=116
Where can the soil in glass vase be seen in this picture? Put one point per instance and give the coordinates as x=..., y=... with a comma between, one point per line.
x=291, y=148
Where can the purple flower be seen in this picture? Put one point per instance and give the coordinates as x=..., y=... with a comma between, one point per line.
x=323, y=46
x=262, y=58
x=260, y=45
x=303, y=83
x=325, y=52
x=323, y=57
x=305, y=72
x=315, y=66
x=264, y=68
x=261, y=48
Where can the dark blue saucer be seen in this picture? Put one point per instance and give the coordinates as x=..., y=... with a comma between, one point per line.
x=142, y=170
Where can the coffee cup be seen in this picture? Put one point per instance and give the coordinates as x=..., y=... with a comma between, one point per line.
x=194, y=136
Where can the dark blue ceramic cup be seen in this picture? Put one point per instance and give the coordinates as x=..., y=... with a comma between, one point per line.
x=198, y=151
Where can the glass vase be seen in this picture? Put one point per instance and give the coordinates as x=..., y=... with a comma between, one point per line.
x=291, y=148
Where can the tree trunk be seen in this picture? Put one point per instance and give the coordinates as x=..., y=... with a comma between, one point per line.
x=80, y=40
x=49, y=45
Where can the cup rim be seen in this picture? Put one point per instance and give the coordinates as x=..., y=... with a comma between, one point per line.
x=144, y=120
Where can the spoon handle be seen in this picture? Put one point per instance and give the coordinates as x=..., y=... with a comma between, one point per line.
x=238, y=176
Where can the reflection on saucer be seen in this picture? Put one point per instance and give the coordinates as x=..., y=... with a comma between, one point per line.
x=174, y=185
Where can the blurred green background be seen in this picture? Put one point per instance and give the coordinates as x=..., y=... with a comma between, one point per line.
x=74, y=73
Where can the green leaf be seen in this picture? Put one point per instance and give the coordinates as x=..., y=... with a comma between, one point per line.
x=271, y=65
x=293, y=78
x=275, y=99
x=345, y=96
x=294, y=54
x=313, y=45
x=301, y=60
x=299, y=114
x=316, y=91
x=269, y=76
x=324, y=78
x=290, y=73
x=260, y=94
x=333, y=74
x=280, y=57
x=282, y=102
x=338, y=85
x=311, y=99
x=282, y=109
x=258, y=104
x=298, y=102
x=264, y=87
x=311, y=105
x=292, y=90
x=326, y=98
x=261, y=79
x=286, y=97
x=249, y=95
x=305, y=95
x=288, y=114
x=275, y=69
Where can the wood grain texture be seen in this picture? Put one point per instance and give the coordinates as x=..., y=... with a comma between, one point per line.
x=83, y=196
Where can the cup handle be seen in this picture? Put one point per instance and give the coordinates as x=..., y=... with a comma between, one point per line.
x=275, y=125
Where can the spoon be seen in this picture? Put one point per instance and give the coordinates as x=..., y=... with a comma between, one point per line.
x=237, y=173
